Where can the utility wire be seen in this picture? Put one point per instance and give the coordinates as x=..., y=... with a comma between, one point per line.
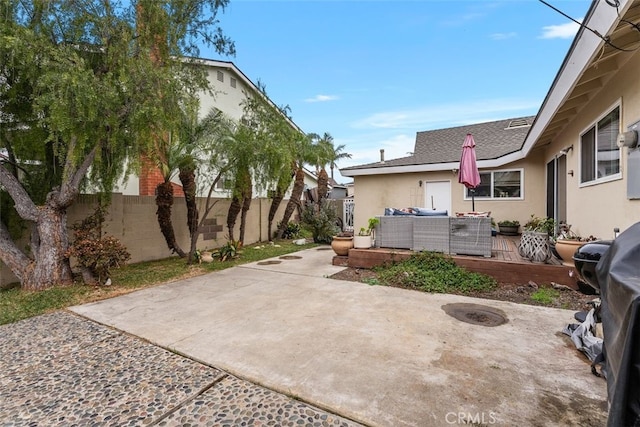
x=603, y=38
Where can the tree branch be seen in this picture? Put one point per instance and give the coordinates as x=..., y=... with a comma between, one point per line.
x=23, y=203
x=71, y=186
x=11, y=255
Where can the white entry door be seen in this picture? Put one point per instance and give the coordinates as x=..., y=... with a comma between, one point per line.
x=438, y=195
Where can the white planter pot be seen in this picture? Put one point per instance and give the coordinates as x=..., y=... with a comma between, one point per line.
x=361, y=242
x=535, y=246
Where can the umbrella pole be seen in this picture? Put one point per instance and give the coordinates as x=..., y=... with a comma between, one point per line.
x=473, y=200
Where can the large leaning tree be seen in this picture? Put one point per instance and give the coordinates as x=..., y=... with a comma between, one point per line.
x=83, y=84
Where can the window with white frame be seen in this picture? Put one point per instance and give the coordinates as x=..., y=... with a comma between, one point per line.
x=503, y=184
x=599, y=152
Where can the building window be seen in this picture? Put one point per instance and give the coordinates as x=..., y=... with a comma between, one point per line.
x=503, y=184
x=599, y=152
x=232, y=82
x=224, y=185
x=220, y=76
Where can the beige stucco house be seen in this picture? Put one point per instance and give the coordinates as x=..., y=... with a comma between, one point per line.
x=575, y=161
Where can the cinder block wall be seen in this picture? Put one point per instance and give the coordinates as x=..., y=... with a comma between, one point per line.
x=132, y=219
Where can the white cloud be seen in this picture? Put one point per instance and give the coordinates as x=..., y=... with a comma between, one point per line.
x=321, y=98
x=503, y=36
x=563, y=31
x=446, y=115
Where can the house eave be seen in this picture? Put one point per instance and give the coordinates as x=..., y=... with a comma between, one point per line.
x=434, y=167
x=576, y=82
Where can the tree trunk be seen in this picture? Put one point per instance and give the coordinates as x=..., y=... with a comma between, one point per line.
x=273, y=209
x=246, y=205
x=294, y=201
x=52, y=263
x=50, y=241
x=164, y=201
x=232, y=215
x=188, y=179
x=323, y=185
x=281, y=189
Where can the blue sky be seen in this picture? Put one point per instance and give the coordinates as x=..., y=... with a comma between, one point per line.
x=373, y=73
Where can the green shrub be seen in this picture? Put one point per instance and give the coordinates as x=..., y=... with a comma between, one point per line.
x=292, y=231
x=321, y=220
x=433, y=272
x=96, y=254
x=231, y=250
x=546, y=296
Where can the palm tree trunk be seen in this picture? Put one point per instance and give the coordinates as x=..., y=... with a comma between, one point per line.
x=246, y=205
x=164, y=201
x=234, y=209
x=280, y=190
x=323, y=185
x=188, y=180
x=294, y=201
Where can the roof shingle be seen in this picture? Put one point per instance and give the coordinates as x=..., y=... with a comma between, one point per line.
x=493, y=140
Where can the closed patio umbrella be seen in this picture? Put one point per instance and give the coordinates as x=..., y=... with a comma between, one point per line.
x=468, y=174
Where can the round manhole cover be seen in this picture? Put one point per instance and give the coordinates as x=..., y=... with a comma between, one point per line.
x=476, y=314
x=271, y=262
x=290, y=257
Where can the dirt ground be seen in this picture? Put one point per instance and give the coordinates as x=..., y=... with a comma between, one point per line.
x=515, y=292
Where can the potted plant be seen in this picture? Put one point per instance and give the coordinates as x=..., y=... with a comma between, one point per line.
x=364, y=239
x=509, y=227
x=341, y=243
x=534, y=243
x=567, y=243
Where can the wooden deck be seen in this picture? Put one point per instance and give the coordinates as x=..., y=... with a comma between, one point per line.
x=505, y=264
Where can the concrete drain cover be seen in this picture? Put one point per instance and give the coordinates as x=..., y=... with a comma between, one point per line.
x=476, y=314
x=269, y=262
x=290, y=257
x=323, y=249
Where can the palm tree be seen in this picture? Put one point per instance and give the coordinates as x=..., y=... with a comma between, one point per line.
x=323, y=147
x=336, y=154
x=327, y=153
x=167, y=155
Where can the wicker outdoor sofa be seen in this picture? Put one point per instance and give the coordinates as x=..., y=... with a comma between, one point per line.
x=435, y=232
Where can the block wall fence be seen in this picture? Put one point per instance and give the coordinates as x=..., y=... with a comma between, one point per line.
x=132, y=220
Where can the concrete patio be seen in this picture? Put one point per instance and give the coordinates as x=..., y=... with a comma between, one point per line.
x=375, y=355
x=278, y=343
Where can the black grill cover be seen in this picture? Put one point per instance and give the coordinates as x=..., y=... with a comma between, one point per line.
x=618, y=274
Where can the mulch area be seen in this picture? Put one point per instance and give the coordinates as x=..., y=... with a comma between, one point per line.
x=514, y=292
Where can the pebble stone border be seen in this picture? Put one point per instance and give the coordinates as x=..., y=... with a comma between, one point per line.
x=60, y=369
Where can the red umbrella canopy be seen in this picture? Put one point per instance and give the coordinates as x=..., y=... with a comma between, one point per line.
x=469, y=175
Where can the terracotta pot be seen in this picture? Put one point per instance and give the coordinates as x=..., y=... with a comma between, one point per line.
x=362, y=242
x=341, y=245
x=566, y=249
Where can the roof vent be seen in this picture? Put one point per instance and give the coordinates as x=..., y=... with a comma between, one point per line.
x=518, y=123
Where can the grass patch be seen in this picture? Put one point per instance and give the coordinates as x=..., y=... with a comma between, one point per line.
x=545, y=296
x=433, y=272
x=16, y=304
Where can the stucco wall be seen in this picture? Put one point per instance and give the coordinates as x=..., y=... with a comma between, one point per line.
x=375, y=192
x=597, y=209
